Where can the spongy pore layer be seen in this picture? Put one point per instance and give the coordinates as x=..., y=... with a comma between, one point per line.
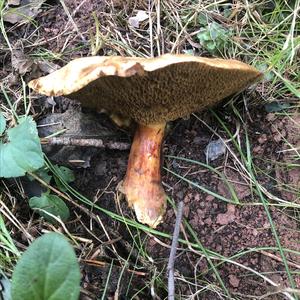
x=150, y=91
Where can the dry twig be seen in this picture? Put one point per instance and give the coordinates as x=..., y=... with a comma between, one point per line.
x=83, y=142
x=170, y=268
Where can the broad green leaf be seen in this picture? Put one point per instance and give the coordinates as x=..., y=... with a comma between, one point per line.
x=214, y=31
x=268, y=75
x=51, y=204
x=22, y=153
x=47, y=270
x=65, y=174
x=2, y=123
x=202, y=18
x=203, y=36
x=5, y=284
x=210, y=45
x=227, y=12
x=42, y=173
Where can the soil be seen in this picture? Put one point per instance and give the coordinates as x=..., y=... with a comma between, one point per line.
x=224, y=228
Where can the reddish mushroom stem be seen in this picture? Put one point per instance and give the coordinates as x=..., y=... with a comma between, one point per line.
x=142, y=184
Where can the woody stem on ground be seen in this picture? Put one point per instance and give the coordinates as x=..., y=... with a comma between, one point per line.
x=142, y=184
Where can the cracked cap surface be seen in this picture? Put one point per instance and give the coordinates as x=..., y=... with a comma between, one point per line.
x=148, y=90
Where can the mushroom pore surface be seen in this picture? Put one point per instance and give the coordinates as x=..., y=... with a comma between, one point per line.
x=149, y=91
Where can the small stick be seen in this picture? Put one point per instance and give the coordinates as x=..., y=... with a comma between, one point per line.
x=83, y=142
x=275, y=257
x=170, y=268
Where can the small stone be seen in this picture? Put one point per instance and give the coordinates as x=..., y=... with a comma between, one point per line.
x=234, y=281
x=277, y=137
x=209, y=198
x=263, y=138
x=219, y=248
x=228, y=217
x=202, y=204
x=257, y=149
x=215, y=149
x=266, y=225
x=231, y=208
x=208, y=221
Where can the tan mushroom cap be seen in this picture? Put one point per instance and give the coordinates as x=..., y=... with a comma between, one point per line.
x=149, y=90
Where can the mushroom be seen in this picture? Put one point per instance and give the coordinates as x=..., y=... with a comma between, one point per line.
x=151, y=91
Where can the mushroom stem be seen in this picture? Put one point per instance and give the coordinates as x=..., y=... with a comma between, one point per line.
x=142, y=184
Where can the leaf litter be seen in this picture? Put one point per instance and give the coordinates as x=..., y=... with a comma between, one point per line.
x=23, y=11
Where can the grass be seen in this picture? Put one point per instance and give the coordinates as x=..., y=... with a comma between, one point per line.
x=9, y=253
x=264, y=34
x=197, y=246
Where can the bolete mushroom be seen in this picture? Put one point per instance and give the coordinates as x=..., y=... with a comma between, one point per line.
x=151, y=91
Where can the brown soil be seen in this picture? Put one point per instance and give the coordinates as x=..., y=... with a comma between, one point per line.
x=224, y=228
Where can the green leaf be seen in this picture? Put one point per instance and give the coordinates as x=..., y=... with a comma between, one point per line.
x=202, y=18
x=42, y=173
x=214, y=31
x=5, y=285
x=51, y=204
x=47, y=270
x=203, y=36
x=2, y=123
x=268, y=75
x=64, y=174
x=22, y=153
x=210, y=46
x=189, y=51
x=227, y=12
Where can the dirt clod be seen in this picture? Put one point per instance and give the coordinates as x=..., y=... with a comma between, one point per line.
x=228, y=217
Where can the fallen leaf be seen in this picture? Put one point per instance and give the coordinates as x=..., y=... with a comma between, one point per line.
x=20, y=62
x=10, y=80
x=27, y=10
x=47, y=66
x=140, y=17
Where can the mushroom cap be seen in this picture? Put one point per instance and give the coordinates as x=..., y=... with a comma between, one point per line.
x=148, y=90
